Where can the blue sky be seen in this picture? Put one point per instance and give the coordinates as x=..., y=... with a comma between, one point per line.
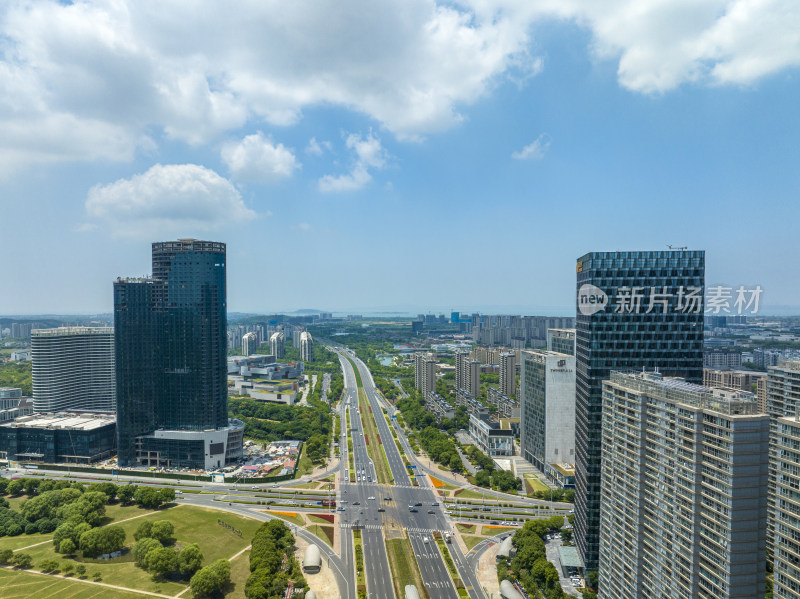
x=403, y=155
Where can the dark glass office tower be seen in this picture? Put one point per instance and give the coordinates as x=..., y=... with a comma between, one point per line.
x=634, y=310
x=171, y=348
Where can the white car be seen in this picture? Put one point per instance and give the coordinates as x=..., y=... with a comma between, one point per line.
x=425, y=540
x=371, y=498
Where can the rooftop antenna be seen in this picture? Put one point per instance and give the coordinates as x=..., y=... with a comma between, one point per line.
x=677, y=247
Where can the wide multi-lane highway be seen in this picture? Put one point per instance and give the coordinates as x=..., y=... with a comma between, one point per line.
x=383, y=510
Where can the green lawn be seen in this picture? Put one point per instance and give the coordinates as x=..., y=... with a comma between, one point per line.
x=323, y=532
x=403, y=565
x=535, y=484
x=470, y=542
x=470, y=494
x=192, y=525
x=240, y=570
x=16, y=584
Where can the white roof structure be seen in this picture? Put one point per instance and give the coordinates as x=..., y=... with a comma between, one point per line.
x=411, y=592
x=508, y=591
x=505, y=548
x=311, y=558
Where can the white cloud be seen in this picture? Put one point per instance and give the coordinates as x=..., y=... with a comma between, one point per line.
x=535, y=150
x=662, y=44
x=369, y=154
x=173, y=199
x=100, y=79
x=304, y=226
x=315, y=148
x=257, y=159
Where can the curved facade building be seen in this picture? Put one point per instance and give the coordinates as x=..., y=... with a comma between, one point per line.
x=73, y=370
x=171, y=349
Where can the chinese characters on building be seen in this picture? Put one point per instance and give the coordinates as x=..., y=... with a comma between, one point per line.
x=690, y=300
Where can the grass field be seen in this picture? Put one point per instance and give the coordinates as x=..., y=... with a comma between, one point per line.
x=470, y=542
x=470, y=494
x=533, y=484
x=323, y=532
x=240, y=570
x=15, y=584
x=403, y=565
x=192, y=525
x=465, y=528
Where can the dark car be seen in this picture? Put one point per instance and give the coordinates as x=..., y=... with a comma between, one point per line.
x=431, y=512
x=356, y=503
x=419, y=503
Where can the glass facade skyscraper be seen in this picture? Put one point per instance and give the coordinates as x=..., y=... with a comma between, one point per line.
x=635, y=310
x=171, y=347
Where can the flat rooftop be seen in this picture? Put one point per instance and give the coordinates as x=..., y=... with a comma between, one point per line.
x=569, y=557
x=63, y=420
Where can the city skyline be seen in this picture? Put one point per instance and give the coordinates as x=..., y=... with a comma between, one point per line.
x=440, y=136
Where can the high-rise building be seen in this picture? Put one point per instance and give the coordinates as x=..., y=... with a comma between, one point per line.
x=170, y=332
x=683, y=511
x=306, y=347
x=786, y=577
x=73, y=369
x=249, y=344
x=276, y=345
x=468, y=374
x=561, y=341
x=783, y=401
x=508, y=373
x=547, y=424
x=425, y=373
x=635, y=310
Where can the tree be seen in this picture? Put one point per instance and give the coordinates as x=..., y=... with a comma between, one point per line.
x=144, y=531
x=190, y=559
x=592, y=578
x=69, y=530
x=153, y=498
x=162, y=531
x=67, y=568
x=14, y=488
x=142, y=548
x=80, y=570
x=67, y=547
x=455, y=463
x=6, y=556
x=125, y=493
x=162, y=561
x=211, y=579
x=23, y=560
x=99, y=541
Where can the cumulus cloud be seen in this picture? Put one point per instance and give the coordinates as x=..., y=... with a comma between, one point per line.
x=255, y=158
x=172, y=199
x=662, y=44
x=369, y=154
x=101, y=79
x=535, y=150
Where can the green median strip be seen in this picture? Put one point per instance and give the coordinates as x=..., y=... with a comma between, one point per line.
x=404, y=567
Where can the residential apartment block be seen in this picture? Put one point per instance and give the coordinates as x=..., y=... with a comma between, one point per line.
x=683, y=511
